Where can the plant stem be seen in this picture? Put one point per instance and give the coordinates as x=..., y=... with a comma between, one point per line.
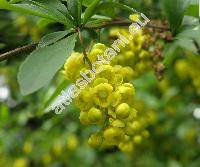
x=84, y=51
x=18, y=51
x=125, y=23
x=197, y=46
x=31, y=47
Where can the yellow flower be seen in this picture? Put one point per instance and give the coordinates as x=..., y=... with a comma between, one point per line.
x=101, y=94
x=114, y=31
x=127, y=93
x=96, y=49
x=134, y=17
x=84, y=118
x=95, y=115
x=113, y=135
x=132, y=115
x=123, y=111
x=114, y=99
x=73, y=66
x=127, y=73
x=144, y=54
x=126, y=146
x=99, y=81
x=132, y=127
x=84, y=99
x=107, y=73
x=118, y=123
x=95, y=140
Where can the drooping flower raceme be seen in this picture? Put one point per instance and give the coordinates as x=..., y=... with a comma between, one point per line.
x=135, y=54
x=106, y=98
x=106, y=101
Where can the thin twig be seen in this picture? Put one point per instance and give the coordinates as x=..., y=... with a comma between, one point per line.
x=197, y=46
x=18, y=51
x=31, y=47
x=84, y=51
x=125, y=23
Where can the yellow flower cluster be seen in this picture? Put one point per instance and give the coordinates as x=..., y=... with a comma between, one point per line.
x=189, y=68
x=107, y=101
x=135, y=54
x=138, y=128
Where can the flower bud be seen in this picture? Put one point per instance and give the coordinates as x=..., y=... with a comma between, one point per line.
x=84, y=118
x=95, y=140
x=131, y=128
x=132, y=115
x=123, y=111
x=113, y=135
x=126, y=147
x=118, y=123
x=95, y=115
x=134, y=17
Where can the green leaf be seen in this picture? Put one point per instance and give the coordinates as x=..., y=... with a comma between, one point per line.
x=105, y=18
x=79, y=11
x=169, y=53
x=192, y=32
x=43, y=23
x=174, y=10
x=189, y=21
x=87, y=2
x=111, y=12
x=42, y=64
x=53, y=38
x=15, y=1
x=186, y=38
x=27, y=9
x=34, y=9
x=105, y=5
x=53, y=7
x=186, y=44
x=56, y=4
x=89, y=12
x=183, y=40
x=97, y=20
x=75, y=8
x=192, y=10
x=3, y=4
